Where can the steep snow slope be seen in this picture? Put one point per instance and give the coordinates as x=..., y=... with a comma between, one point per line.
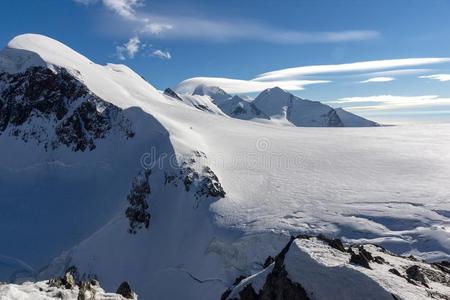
x=200, y=102
x=385, y=185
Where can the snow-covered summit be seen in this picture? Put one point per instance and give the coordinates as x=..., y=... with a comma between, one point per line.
x=38, y=50
x=216, y=93
x=286, y=108
x=117, y=83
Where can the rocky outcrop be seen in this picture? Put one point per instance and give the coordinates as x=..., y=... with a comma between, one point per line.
x=317, y=267
x=169, y=92
x=125, y=290
x=54, y=108
x=137, y=211
x=197, y=178
x=64, y=287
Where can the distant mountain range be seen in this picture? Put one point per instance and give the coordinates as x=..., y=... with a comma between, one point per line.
x=272, y=105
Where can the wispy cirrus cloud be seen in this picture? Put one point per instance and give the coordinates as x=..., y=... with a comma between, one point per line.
x=362, y=66
x=397, y=72
x=293, y=79
x=391, y=102
x=438, y=77
x=243, y=86
x=164, y=26
x=222, y=30
x=378, y=79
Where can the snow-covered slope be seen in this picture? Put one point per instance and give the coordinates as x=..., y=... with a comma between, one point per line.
x=200, y=102
x=194, y=199
x=238, y=108
x=286, y=108
x=218, y=95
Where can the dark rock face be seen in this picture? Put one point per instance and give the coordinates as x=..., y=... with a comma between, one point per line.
x=395, y=272
x=169, y=92
x=277, y=286
x=333, y=119
x=203, y=183
x=124, y=290
x=210, y=185
x=416, y=274
x=334, y=243
x=360, y=259
x=137, y=211
x=444, y=266
x=54, y=109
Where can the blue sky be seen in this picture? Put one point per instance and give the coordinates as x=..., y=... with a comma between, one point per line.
x=171, y=41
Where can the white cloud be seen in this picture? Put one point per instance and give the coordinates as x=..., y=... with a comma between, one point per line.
x=221, y=30
x=439, y=77
x=129, y=49
x=363, y=66
x=124, y=8
x=397, y=72
x=390, y=102
x=243, y=86
x=378, y=79
x=214, y=29
x=162, y=54
x=155, y=28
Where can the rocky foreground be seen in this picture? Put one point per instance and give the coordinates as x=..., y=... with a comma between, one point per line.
x=65, y=287
x=307, y=268
x=320, y=268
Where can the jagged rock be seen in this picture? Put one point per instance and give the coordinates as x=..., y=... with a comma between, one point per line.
x=239, y=279
x=268, y=262
x=210, y=185
x=125, y=290
x=54, y=108
x=334, y=243
x=66, y=281
x=444, y=266
x=137, y=211
x=169, y=92
x=360, y=259
x=277, y=284
x=333, y=119
x=86, y=290
x=415, y=273
x=395, y=272
x=302, y=253
x=248, y=293
x=190, y=175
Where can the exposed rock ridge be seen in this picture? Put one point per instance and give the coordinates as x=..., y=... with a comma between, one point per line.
x=53, y=108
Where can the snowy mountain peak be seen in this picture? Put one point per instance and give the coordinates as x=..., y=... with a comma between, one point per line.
x=28, y=50
x=274, y=94
x=216, y=93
